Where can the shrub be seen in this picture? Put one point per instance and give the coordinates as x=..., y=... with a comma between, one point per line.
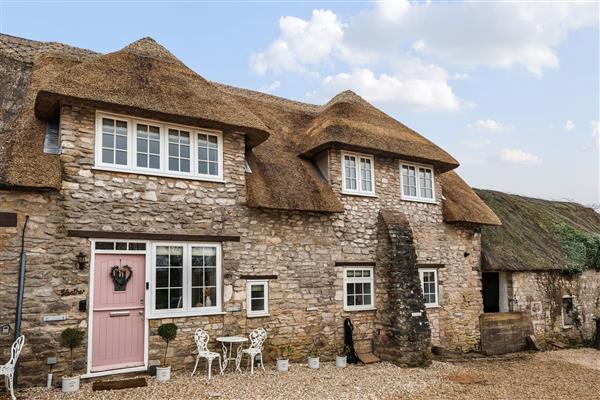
x=582, y=249
x=71, y=338
x=167, y=332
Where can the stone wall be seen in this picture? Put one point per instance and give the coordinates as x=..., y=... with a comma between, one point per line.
x=504, y=332
x=540, y=294
x=300, y=248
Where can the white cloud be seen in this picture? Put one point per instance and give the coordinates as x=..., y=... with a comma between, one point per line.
x=569, y=125
x=270, y=88
x=488, y=125
x=492, y=34
x=477, y=144
x=405, y=89
x=519, y=157
x=301, y=43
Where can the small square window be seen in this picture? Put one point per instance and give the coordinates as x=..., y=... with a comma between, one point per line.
x=257, y=298
x=417, y=182
x=569, y=311
x=359, y=291
x=358, y=174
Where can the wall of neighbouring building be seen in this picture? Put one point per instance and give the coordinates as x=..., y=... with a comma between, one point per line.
x=301, y=248
x=540, y=294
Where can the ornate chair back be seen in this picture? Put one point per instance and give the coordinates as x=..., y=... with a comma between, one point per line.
x=15, y=350
x=257, y=338
x=201, y=339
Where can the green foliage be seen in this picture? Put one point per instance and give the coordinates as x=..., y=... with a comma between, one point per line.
x=286, y=352
x=71, y=338
x=167, y=332
x=582, y=249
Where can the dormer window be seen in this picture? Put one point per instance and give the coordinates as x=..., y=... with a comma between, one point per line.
x=154, y=148
x=417, y=182
x=358, y=174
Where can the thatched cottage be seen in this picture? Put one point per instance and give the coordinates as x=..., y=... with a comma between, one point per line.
x=231, y=209
x=540, y=272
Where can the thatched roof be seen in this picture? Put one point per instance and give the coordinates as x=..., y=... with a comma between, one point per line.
x=349, y=121
x=461, y=204
x=283, y=176
x=528, y=238
x=145, y=79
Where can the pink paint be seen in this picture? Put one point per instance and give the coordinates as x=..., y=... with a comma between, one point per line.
x=118, y=317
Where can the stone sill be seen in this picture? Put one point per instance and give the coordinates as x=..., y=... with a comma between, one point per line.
x=158, y=175
x=258, y=316
x=372, y=195
x=185, y=315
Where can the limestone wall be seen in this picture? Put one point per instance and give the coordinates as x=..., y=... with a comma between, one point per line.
x=306, y=299
x=540, y=295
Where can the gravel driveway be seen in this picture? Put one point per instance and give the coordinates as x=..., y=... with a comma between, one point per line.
x=565, y=374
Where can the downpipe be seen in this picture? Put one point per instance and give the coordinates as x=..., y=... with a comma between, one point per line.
x=20, y=293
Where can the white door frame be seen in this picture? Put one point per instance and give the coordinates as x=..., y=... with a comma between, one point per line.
x=93, y=252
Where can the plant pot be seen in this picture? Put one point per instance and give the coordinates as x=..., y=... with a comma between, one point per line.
x=340, y=361
x=163, y=374
x=283, y=364
x=70, y=384
x=313, y=362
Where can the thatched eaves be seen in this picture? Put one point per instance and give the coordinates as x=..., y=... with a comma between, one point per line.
x=146, y=80
x=349, y=121
x=528, y=239
x=461, y=204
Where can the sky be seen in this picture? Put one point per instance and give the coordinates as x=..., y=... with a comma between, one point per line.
x=510, y=89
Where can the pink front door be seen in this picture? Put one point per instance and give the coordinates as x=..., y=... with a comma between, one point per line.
x=118, y=313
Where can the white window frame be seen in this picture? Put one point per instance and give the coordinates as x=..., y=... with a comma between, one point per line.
x=562, y=310
x=358, y=191
x=257, y=282
x=187, y=310
x=370, y=279
x=164, y=127
x=418, y=197
x=436, y=280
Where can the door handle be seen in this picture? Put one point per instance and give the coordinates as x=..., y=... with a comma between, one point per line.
x=119, y=313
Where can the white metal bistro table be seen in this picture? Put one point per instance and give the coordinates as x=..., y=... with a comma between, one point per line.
x=239, y=340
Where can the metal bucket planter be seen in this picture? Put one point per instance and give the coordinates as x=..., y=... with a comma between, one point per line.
x=283, y=364
x=163, y=374
x=340, y=361
x=70, y=384
x=313, y=362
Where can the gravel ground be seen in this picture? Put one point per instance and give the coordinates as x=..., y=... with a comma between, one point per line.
x=565, y=374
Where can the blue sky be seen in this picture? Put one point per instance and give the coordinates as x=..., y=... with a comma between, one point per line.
x=510, y=89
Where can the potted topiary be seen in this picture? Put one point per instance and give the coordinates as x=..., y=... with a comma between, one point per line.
x=71, y=338
x=167, y=332
x=340, y=358
x=283, y=363
x=313, y=355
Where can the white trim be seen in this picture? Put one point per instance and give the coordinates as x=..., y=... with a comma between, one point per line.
x=358, y=191
x=132, y=167
x=562, y=310
x=418, y=197
x=370, y=279
x=90, y=327
x=435, y=275
x=265, y=284
x=187, y=310
x=113, y=372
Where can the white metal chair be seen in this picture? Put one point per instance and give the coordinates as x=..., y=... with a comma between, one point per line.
x=257, y=339
x=201, y=338
x=8, y=369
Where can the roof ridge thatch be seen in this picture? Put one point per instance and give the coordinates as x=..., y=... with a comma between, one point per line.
x=528, y=238
x=461, y=203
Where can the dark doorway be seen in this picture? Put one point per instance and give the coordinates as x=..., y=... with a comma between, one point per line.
x=490, y=282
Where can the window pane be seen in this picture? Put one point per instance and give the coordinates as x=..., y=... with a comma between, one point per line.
x=121, y=142
x=142, y=160
x=184, y=151
x=154, y=146
x=121, y=245
x=213, y=169
x=105, y=245
x=108, y=125
x=108, y=140
x=154, y=162
x=202, y=167
x=350, y=300
x=107, y=156
x=197, y=297
x=196, y=276
x=162, y=277
x=212, y=155
x=175, y=298
x=137, y=246
x=367, y=300
x=210, y=277
x=366, y=178
x=175, y=277
x=184, y=165
x=350, y=273
x=173, y=164
x=350, y=170
x=162, y=299
x=121, y=128
x=257, y=291
x=258, y=305
x=121, y=157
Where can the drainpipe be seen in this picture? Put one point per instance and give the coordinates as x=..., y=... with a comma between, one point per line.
x=20, y=292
